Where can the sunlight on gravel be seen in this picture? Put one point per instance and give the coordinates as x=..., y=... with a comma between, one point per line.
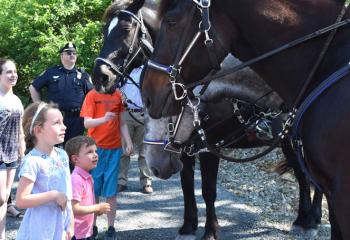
x=258, y=186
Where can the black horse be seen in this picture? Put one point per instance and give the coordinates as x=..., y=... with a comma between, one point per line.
x=248, y=29
x=111, y=65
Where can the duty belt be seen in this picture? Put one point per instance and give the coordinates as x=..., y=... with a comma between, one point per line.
x=75, y=112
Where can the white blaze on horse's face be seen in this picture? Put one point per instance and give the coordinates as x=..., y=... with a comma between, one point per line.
x=112, y=24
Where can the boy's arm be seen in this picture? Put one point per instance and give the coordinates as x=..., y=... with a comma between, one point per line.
x=90, y=122
x=96, y=208
x=125, y=135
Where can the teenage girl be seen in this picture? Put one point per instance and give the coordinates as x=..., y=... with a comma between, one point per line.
x=45, y=186
x=11, y=136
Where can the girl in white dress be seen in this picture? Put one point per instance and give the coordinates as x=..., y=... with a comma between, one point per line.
x=45, y=186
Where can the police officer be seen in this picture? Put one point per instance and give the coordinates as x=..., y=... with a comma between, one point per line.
x=67, y=86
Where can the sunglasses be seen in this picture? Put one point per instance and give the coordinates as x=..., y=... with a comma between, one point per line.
x=70, y=53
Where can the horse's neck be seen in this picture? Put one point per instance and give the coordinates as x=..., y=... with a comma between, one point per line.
x=244, y=85
x=267, y=24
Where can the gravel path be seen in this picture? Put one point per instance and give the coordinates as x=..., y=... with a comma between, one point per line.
x=252, y=203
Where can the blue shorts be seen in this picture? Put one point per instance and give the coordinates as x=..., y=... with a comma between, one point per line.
x=11, y=165
x=105, y=174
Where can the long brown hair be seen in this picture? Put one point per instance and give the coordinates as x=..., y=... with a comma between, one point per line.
x=33, y=116
x=3, y=61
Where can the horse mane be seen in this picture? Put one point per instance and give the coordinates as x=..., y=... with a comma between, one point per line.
x=164, y=6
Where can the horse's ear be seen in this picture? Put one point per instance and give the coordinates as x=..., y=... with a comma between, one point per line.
x=136, y=5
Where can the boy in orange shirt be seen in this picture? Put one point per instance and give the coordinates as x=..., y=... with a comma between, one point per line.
x=102, y=118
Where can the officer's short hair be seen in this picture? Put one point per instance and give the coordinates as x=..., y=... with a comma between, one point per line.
x=68, y=47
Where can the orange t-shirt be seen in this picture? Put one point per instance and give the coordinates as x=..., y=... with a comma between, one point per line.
x=96, y=105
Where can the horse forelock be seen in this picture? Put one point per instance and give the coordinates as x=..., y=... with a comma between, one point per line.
x=113, y=10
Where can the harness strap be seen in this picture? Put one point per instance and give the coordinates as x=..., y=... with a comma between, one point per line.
x=270, y=53
x=205, y=27
x=296, y=130
x=178, y=57
x=238, y=160
x=319, y=59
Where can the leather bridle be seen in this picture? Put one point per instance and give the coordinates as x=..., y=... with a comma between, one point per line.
x=144, y=47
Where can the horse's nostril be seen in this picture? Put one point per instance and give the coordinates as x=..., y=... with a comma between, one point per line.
x=147, y=103
x=105, y=79
x=155, y=171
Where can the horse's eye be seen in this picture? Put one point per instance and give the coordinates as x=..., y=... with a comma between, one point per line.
x=127, y=29
x=171, y=22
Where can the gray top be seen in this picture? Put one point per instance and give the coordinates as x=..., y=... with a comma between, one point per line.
x=11, y=112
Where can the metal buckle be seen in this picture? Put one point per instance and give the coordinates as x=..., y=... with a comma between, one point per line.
x=179, y=87
x=202, y=3
x=171, y=129
x=170, y=147
x=173, y=72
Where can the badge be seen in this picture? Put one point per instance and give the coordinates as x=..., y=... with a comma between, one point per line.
x=79, y=75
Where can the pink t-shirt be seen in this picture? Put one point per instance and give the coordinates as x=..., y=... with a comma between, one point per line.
x=83, y=192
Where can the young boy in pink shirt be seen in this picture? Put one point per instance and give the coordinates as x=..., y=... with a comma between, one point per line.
x=82, y=153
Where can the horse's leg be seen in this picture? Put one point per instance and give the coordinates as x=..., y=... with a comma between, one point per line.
x=304, y=186
x=306, y=222
x=339, y=209
x=316, y=208
x=209, y=170
x=335, y=232
x=190, y=224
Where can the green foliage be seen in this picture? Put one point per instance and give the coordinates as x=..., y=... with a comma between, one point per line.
x=32, y=32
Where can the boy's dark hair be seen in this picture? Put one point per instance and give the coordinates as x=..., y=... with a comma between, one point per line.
x=74, y=145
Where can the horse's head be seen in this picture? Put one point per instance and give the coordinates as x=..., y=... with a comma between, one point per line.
x=181, y=53
x=163, y=163
x=126, y=43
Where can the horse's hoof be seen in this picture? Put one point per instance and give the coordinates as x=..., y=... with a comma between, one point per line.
x=185, y=237
x=300, y=233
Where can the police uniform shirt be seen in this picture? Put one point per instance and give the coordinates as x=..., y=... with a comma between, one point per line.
x=65, y=87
